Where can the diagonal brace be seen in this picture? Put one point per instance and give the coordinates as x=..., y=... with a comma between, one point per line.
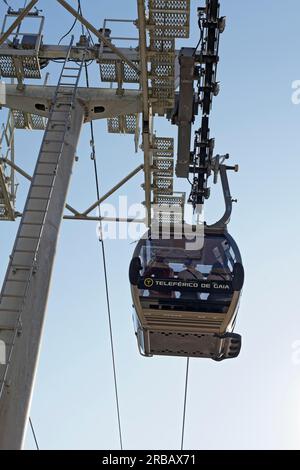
x=29, y=178
x=100, y=36
x=113, y=190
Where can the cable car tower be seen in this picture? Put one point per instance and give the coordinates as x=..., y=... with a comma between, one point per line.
x=156, y=67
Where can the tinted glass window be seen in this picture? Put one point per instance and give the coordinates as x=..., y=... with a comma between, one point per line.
x=169, y=259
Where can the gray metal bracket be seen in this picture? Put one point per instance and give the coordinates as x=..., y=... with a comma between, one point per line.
x=222, y=169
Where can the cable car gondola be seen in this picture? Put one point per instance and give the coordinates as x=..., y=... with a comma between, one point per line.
x=186, y=301
x=186, y=291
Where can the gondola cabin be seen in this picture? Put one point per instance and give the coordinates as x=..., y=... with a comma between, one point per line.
x=186, y=294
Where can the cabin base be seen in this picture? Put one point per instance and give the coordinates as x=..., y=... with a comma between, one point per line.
x=203, y=345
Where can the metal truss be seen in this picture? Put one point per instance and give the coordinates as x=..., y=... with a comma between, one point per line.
x=151, y=67
x=7, y=178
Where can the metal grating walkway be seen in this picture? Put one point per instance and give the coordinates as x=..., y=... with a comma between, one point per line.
x=168, y=207
x=30, y=121
x=168, y=20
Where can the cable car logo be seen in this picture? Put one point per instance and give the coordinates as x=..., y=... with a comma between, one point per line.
x=149, y=282
x=173, y=284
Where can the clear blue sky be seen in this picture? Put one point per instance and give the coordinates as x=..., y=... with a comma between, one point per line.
x=251, y=402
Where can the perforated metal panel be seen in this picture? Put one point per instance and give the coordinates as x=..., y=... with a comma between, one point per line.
x=172, y=201
x=168, y=20
x=163, y=185
x=163, y=166
x=31, y=67
x=170, y=32
x=162, y=90
x=13, y=66
x=108, y=71
x=129, y=74
x=161, y=45
x=170, y=4
x=38, y=122
x=117, y=71
x=29, y=121
x=163, y=158
x=167, y=207
x=160, y=67
x=7, y=66
x=127, y=124
x=175, y=200
x=114, y=125
x=163, y=148
x=171, y=19
x=163, y=145
x=167, y=217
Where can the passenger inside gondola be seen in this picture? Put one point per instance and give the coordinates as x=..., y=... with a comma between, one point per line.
x=158, y=268
x=219, y=273
x=189, y=273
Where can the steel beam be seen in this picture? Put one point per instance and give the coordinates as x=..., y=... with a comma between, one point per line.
x=53, y=51
x=186, y=110
x=100, y=103
x=105, y=219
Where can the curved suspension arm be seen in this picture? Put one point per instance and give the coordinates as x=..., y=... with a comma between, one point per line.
x=222, y=223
